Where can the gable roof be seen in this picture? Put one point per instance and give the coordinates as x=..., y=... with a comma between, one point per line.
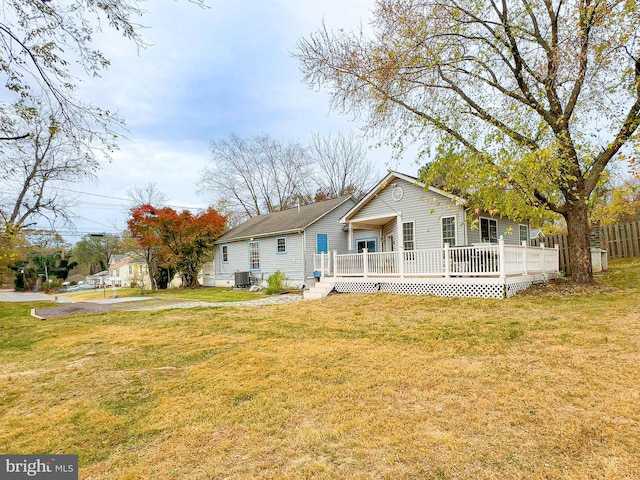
x=128, y=259
x=388, y=179
x=115, y=258
x=285, y=221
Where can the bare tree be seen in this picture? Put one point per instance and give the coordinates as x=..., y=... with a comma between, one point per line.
x=32, y=168
x=257, y=176
x=341, y=165
x=148, y=194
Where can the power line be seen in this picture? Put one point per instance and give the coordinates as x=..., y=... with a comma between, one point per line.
x=127, y=200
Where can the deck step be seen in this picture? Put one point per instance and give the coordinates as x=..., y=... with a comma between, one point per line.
x=319, y=290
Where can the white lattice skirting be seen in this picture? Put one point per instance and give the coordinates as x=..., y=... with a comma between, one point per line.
x=443, y=287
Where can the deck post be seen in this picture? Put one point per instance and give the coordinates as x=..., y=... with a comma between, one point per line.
x=524, y=244
x=322, y=265
x=335, y=264
x=401, y=262
x=365, y=263
x=447, y=264
x=557, y=260
x=544, y=258
x=501, y=257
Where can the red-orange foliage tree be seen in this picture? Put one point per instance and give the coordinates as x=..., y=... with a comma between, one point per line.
x=180, y=242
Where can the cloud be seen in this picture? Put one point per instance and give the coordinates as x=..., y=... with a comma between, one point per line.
x=208, y=72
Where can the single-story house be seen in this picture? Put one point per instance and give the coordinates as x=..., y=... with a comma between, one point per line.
x=403, y=236
x=407, y=237
x=285, y=240
x=100, y=278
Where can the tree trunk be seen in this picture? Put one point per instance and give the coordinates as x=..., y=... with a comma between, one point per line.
x=577, y=218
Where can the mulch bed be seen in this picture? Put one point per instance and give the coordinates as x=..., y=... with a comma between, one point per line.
x=565, y=287
x=84, y=308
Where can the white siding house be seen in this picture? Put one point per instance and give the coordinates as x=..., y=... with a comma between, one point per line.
x=429, y=218
x=284, y=241
x=127, y=271
x=402, y=237
x=408, y=237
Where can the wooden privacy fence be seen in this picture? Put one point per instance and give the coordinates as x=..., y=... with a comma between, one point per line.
x=620, y=241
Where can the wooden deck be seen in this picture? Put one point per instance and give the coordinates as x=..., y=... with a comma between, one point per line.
x=484, y=271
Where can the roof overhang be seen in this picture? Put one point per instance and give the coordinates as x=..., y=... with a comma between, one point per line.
x=245, y=238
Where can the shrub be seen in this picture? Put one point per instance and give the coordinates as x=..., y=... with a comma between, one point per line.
x=275, y=283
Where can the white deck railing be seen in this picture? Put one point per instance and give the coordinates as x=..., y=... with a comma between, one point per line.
x=491, y=260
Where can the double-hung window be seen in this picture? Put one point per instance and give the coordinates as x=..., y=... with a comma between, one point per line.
x=524, y=234
x=488, y=230
x=408, y=239
x=281, y=245
x=254, y=256
x=225, y=253
x=449, y=231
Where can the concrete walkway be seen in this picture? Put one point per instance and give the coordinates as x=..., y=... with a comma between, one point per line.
x=11, y=296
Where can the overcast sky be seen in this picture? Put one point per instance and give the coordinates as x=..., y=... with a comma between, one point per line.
x=206, y=73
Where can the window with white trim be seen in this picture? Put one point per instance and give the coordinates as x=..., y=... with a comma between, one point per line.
x=225, y=253
x=281, y=245
x=524, y=234
x=488, y=230
x=408, y=240
x=449, y=231
x=254, y=256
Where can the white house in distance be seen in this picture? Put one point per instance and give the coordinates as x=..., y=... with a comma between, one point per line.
x=128, y=270
x=401, y=237
x=284, y=240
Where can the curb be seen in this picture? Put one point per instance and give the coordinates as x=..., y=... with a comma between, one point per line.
x=35, y=315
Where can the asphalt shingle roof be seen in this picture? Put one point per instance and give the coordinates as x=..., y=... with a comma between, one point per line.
x=282, y=221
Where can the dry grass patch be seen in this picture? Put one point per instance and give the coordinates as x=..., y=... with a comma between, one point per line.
x=353, y=386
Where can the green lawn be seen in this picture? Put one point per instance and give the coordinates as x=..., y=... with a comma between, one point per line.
x=543, y=385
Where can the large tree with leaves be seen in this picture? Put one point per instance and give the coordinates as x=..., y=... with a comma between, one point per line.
x=522, y=103
x=179, y=242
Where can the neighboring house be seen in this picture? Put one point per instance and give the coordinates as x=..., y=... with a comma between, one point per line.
x=100, y=278
x=284, y=240
x=537, y=234
x=128, y=270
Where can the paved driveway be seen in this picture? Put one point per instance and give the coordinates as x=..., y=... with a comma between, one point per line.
x=11, y=296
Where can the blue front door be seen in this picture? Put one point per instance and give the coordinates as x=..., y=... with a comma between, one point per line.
x=322, y=243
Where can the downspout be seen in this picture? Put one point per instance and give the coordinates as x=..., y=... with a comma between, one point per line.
x=304, y=257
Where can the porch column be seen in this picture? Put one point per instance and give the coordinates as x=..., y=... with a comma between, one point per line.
x=350, y=237
x=524, y=245
x=401, y=261
x=322, y=275
x=335, y=264
x=400, y=233
x=447, y=260
x=365, y=263
x=501, y=258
